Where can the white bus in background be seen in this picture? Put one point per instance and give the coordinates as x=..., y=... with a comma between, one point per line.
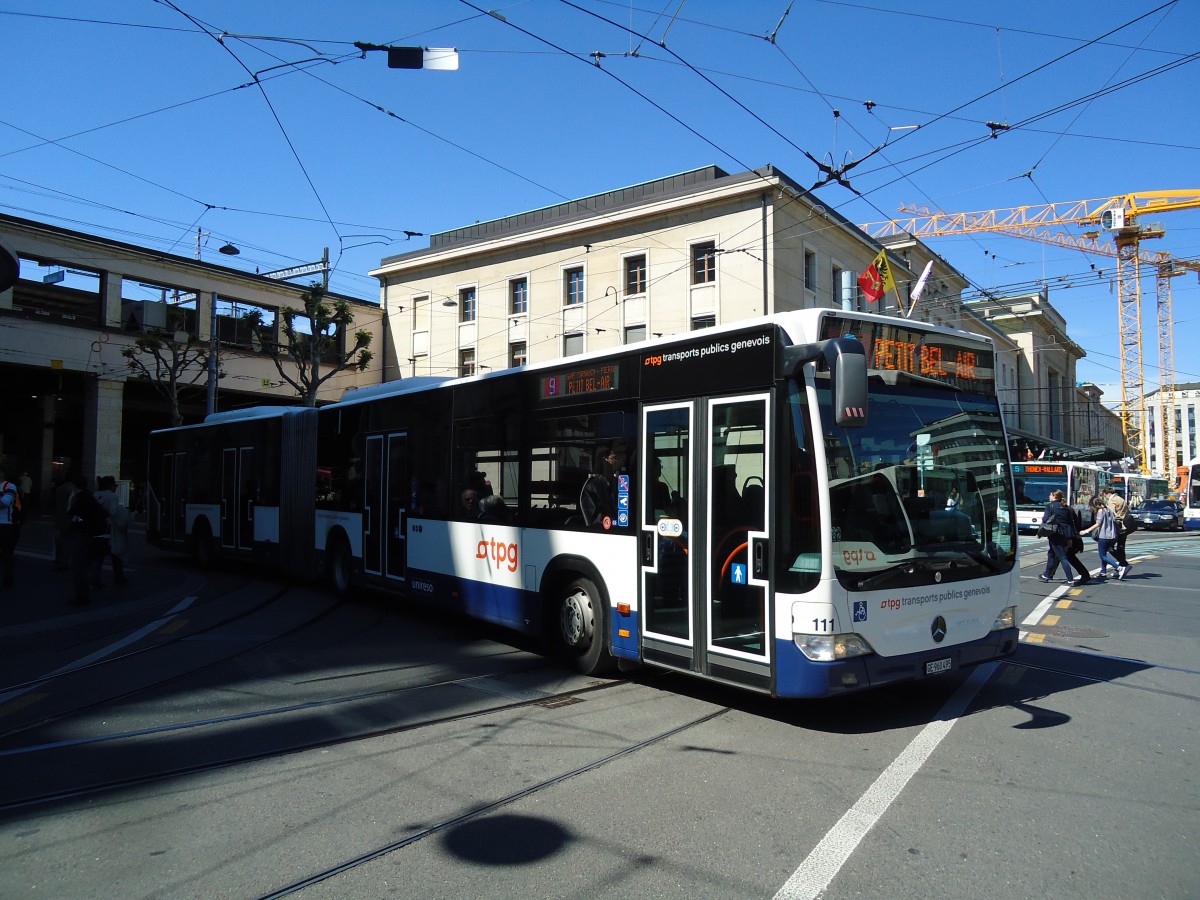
x=1035, y=481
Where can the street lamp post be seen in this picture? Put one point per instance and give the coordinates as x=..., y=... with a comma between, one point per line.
x=214, y=368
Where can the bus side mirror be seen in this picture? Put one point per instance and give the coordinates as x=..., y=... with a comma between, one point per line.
x=847, y=361
x=848, y=370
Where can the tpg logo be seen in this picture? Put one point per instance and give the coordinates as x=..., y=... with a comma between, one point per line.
x=503, y=555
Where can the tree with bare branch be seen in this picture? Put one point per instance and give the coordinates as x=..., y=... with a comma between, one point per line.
x=168, y=363
x=298, y=356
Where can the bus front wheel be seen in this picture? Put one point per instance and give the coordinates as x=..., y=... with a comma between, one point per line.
x=580, y=626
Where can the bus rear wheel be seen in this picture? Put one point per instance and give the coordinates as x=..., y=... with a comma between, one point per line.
x=579, y=629
x=339, y=567
x=204, y=550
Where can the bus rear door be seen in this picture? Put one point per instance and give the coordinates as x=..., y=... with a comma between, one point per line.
x=705, y=597
x=237, y=498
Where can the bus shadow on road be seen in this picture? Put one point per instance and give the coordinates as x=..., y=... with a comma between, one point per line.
x=1033, y=674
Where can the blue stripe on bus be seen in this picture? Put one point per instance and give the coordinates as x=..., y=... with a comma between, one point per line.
x=512, y=607
x=625, y=646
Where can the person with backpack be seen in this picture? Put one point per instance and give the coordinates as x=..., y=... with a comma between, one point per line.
x=1126, y=524
x=12, y=515
x=1105, y=526
x=87, y=521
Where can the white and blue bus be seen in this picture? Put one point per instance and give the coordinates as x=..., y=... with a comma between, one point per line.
x=802, y=505
x=1035, y=481
x=1190, y=496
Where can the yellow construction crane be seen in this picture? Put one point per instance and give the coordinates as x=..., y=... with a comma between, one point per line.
x=1119, y=216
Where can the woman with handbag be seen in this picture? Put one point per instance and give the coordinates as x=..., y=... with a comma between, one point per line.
x=1062, y=525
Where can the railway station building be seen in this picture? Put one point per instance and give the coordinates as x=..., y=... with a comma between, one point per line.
x=76, y=301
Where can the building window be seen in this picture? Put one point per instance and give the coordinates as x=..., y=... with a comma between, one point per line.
x=699, y=322
x=572, y=344
x=518, y=354
x=635, y=333
x=704, y=262
x=836, y=275
x=573, y=286
x=518, y=295
x=635, y=275
x=466, y=362
x=466, y=305
x=810, y=270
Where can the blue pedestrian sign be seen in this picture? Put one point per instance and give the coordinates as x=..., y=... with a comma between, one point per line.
x=737, y=573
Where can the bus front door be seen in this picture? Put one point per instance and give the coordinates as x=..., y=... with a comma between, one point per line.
x=386, y=490
x=705, y=598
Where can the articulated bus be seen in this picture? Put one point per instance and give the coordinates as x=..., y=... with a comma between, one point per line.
x=802, y=505
x=1190, y=496
x=1035, y=481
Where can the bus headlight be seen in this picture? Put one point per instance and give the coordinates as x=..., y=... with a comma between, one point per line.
x=828, y=647
x=1006, y=619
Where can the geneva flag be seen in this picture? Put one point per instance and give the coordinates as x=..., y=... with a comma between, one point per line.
x=877, y=280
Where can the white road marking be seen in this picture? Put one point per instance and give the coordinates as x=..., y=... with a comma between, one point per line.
x=826, y=859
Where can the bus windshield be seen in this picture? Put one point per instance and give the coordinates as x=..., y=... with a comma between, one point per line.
x=1035, y=483
x=921, y=493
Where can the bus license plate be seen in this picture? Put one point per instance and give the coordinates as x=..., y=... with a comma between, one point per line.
x=938, y=665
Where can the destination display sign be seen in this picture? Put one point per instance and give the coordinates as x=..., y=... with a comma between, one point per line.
x=1039, y=468
x=581, y=382
x=958, y=362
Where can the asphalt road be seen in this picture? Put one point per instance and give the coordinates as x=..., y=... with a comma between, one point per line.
x=221, y=734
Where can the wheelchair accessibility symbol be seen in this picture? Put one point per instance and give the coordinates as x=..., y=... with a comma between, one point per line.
x=860, y=610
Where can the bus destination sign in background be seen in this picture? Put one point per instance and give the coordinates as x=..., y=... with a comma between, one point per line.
x=582, y=382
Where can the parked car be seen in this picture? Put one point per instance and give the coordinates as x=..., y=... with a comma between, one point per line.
x=1156, y=514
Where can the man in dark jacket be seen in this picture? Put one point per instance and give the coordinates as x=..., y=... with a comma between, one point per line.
x=1064, y=526
x=87, y=520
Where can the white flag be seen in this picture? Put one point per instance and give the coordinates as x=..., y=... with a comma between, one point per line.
x=920, y=285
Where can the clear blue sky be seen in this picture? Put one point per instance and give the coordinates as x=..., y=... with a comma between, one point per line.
x=130, y=119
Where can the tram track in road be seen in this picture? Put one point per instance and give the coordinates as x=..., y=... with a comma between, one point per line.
x=542, y=698
x=114, y=653
x=477, y=812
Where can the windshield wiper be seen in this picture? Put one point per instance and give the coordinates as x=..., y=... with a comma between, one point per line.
x=962, y=554
x=927, y=563
x=908, y=567
x=984, y=560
